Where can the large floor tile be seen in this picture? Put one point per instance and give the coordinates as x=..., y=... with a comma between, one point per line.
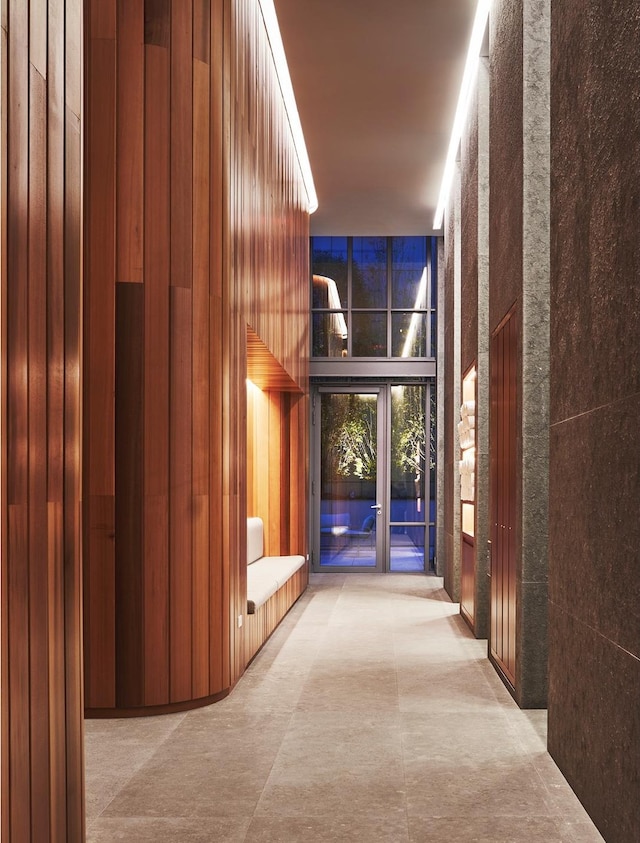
x=372, y=714
x=171, y=830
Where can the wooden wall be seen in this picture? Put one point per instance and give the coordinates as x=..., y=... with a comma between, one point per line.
x=196, y=228
x=42, y=757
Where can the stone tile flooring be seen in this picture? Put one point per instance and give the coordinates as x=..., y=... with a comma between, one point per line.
x=371, y=715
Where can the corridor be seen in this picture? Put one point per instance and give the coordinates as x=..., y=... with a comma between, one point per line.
x=371, y=715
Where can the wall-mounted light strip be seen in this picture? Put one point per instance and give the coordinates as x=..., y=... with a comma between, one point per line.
x=468, y=78
x=282, y=69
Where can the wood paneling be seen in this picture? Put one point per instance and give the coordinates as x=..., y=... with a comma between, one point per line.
x=503, y=433
x=42, y=758
x=207, y=237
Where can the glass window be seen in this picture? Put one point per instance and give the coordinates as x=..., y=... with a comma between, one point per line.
x=369, y=334
x=408, y=273
x=329, y=335
x=408, y=334
x=329, y=268
x=374, y=296
x=369, y=272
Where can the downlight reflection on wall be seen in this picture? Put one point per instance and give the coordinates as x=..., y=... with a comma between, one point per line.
x=282, y=70
x=464, y=97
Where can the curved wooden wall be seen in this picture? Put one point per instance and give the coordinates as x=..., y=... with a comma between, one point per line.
x=42, y=754
x=196, y=228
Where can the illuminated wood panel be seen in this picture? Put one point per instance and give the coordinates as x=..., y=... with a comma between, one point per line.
x=42, y=753
x=197, y=244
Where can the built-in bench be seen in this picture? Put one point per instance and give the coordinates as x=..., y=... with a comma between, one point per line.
x=274, y=583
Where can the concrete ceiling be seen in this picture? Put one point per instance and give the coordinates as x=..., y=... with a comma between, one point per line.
x=377, y=86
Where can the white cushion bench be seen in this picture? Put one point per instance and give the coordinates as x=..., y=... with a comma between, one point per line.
x=274, y=583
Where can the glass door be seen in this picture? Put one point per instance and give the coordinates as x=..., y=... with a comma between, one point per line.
x=370, y=490
x=409, y=486
x=347, y=487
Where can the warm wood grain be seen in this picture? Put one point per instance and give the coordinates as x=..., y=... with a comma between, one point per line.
x=156, y=600
x=157, y=22
x=42, y=763
x=156, y=272
x=181, y=149
x=210, y=223
x=180, y=497
x=130, y=141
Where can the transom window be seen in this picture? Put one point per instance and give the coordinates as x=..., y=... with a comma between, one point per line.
x=373, y=297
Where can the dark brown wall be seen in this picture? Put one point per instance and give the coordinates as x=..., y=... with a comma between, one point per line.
x=42, y=756
x=196, y=228
x=594, y=565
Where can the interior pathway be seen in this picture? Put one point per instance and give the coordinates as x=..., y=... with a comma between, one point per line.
x=371, y=715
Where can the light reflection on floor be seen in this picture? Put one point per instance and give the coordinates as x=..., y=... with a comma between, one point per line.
x=405, y=556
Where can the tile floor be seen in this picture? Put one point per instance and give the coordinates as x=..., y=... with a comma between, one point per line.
x=371, y=715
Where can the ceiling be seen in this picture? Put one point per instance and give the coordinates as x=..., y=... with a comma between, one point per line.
x=376, y=85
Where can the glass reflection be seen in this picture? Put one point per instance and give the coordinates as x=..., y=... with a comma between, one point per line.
x=329, y=260
x=408, y=335
x=408, y=273
x=329, y=335
x=369, y=334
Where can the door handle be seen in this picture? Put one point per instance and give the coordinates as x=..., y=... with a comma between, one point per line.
x=377, y=507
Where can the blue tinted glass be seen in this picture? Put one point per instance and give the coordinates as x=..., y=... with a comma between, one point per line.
x=434, y=271
x=408, y=272
x=329, y=268
x=369, y=273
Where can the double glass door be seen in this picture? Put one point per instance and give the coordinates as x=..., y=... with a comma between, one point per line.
x=371, y=478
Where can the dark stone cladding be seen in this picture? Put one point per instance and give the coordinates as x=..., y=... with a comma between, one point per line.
x=594, y=561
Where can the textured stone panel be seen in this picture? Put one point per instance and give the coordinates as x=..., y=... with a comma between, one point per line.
x=506, y=124
x=594, y=728
x=469, y=239
x=594, y=542
x=595, y=149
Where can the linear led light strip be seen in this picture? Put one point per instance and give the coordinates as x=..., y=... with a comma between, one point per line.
x=282, y=69
x=468, y=78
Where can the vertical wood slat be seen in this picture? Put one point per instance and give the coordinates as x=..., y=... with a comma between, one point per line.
x=156, y=384
x=129, y=512
x=180, y=499
x=42, y=766
x=130, y=140
x=4, y=626
x=181, y=144
x=38, y=446
x=200, y=398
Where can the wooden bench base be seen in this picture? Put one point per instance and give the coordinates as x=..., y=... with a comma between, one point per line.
x=260, y=625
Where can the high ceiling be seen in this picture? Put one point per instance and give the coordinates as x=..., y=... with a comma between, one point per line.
x=376, y=85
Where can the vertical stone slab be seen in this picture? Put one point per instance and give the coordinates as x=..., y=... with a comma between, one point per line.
x=531, y=676
x=482, y=383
